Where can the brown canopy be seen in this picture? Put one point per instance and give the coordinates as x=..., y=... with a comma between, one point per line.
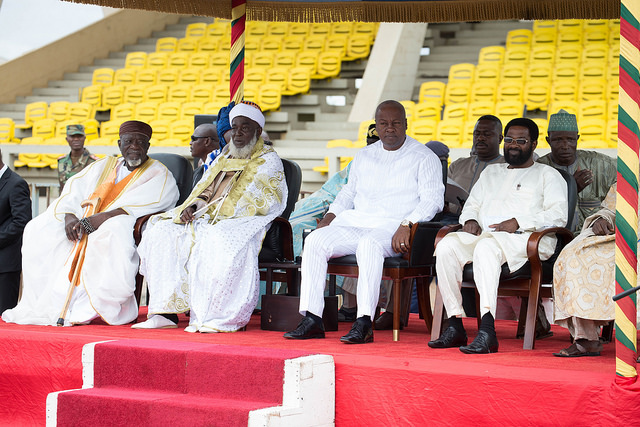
x=382, y=11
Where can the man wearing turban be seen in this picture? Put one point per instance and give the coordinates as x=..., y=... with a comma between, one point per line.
x=594, y=172
x=202, y=256
x=84, y=239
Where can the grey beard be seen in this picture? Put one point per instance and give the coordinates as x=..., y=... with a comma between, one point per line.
x=133, y=163
x=244, y=152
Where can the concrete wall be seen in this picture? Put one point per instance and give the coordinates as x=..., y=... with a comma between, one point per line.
x=35, y=69
x=392, y=68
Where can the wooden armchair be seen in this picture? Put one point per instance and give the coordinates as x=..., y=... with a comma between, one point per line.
x=527, y=282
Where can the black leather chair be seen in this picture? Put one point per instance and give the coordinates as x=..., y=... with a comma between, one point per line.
x=527, y=282
x=182, y=172
x=418, y=264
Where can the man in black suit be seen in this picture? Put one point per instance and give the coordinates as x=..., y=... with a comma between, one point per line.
x=15, y=212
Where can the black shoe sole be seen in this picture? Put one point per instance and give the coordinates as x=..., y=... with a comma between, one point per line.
x=305, y=337
x=356, y=342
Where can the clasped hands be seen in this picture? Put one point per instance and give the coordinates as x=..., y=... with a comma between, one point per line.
x=472, y=227
x=73, y=228
x=189, y=213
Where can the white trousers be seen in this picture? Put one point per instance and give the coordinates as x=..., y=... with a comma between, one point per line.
x=370, y=246
x=451, y=257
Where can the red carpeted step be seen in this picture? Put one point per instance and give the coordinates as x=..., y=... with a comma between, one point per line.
x=194, y=368
x=113, y=406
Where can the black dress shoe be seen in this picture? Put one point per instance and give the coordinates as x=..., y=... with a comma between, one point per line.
x=483, y=343
x=385, y=322
x=361, y=332
x=307, y=328
x=347, y=314
x=451, y=337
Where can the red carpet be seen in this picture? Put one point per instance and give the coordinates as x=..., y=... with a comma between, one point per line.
x=383, y=383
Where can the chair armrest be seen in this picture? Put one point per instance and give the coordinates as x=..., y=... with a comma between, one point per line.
x=286, y=236
x=421, y=240
x=139, y=225
x=533, y=243
x=446, y=230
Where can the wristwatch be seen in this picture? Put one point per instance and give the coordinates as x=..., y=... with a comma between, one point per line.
x=406, y=223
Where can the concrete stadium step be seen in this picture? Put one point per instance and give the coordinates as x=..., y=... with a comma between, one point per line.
x=108, y=62
x=67, y=83
x=321, y=135
x=56, y=92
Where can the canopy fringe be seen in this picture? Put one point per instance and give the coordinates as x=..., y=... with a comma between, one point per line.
x=382, y=11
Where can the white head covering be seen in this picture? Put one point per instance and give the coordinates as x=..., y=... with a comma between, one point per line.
x=247, y=109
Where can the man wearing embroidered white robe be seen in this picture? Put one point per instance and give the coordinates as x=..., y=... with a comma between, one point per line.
x=125, y=189
x=203, y=255
x=506, y=204
x=392, y=183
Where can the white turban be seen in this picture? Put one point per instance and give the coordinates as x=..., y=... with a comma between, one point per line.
x=251, y=111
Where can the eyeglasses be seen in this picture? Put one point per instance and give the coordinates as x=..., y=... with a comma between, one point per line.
x=193, y=137
x=519, y=141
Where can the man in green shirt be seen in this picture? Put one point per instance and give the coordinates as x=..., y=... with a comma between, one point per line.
x=78, y=158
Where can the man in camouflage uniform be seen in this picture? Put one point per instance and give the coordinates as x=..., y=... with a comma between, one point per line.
x=78, y=158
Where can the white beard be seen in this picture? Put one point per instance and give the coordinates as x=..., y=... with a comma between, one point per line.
x=133, y=163
x=244, y=152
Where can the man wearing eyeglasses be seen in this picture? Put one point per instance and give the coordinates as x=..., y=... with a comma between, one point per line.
x=204, y=142
x=505, y=206
x=594, y=172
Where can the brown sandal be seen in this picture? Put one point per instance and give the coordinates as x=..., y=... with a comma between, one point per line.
x=580, y=348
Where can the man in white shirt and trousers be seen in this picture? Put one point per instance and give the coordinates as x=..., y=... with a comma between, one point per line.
x=393, y=183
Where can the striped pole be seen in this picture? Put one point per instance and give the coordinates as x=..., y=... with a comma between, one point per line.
x=627, y=197
x=236, y=63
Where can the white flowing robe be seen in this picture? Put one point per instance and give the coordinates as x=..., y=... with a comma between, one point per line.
x=107, y=279
x=210, y=266
x=535, y=196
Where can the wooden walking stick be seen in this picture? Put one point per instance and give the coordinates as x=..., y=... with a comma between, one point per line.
x=90, y=206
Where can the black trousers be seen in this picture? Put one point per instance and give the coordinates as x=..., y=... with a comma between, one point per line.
x=9, y=289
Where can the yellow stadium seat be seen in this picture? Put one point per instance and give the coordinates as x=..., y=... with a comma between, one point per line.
x=479, y=108
x=508, y=110
x=181, y=130
x=277, y=75
x=280, y=29
x=569, y=53
x=135, y=60
x=462, y=71
x=208, y=44
x=320, y=28
x=423, y=130
x=225, y=77
x=455, y=111
x=492, y=54
x=432, y=91
x=61, y=127
x=190, y=109
x=539, y=72
x=178, y=60
x=270, y=97
x=114, y=95
x=363, y=129
x=487, y=73
x=592, y=89
x=612, y=73
x=199, y=60
x=612, y=109
x=58, y=111
x=510, y=91
x=168, y=111
x=157, y=60
x=187, y=44
x=196, y=29
x=190, y=76
x=334, y=143
x=341, y=28
x=593, y=134
x=546, y=37
x=133, y=94
x=292, y=43
x=520, y=37
x=329, y=65
x=594, y=109
x=565, y=71
x=299, y=81
x=299, y=29
x=179, y=93
x=314, y=43
x=42, y=129
x=450, y=132
x=201, y=93
x=166, y=44
x=283, y=59
x=92, y=95
x=125, y=76
x=542, y=54
x=251, y=92
x=91, y=127
x=210, y=76
x=517, y=55
x=337, y=43
x=102, y=77
x=568, y=106
x=254, y=75
x=32, y=112
x=536, y=94
x=308, y=59
x=167, y=76
x=161, y=130
x=256, y=28
x=595, y=52
x=457, y=92
x=542, y=132
x=324, y=168
x=224, y=45
x=570, y=36
x=31, y=160
x=512, y=72
x=110, y=129
x=613, y=89
x=146, y=76
x=80, y=111
x=262, y=59
x=564, y=90
x=219, y=29
x=271, y=44
x=427, y=111
x=156, y=93
x=221, y=96
x=466, y=134
x=592, y=70
x=612, y=133
x=252, y=44
x=7, y=131
x=614, y=36
x=358, y=47
x=544, y=25
x=483, y=91
x=146, y=111
x=50, y=159
x=369, y=29
x=591, y=24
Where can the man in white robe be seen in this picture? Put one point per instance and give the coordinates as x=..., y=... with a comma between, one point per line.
x=203, y=255
x=393, y=183
x=507, y=203
x=128, y=187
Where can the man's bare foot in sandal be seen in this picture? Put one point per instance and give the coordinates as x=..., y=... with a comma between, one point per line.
x=581, y=347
